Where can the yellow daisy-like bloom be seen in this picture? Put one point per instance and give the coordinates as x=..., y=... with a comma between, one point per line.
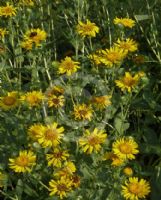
x=24, y=162
x=128, y=171
x=125, y=148
x=101, y=102
x=87, y=29
x=33, y=36
x=55, y=90
x=116, y=161
x=10, y=101
x=33, y=98
x=26, y=2
x=7, y=11
x=82, y=112
x=67, y=171
x=129, y=45
x=91, y=141
x=57, y=157
x=3, y=179
x=126, y=22
x=112, y=56
x=60, y=187
x=135, y=189
x=3, y=32
x=50, y=135
x=56, y=101
x=128, y=82
x=68, y=66
x=35, y=130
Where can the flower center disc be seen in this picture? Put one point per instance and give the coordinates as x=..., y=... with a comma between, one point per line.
x=125, y=148
x=9, y=100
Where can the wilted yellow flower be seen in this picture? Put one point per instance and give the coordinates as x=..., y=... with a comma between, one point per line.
x=112, y=56
x=67, y=171
x=8, y=10
x=95, y=58
x=101, y=102
x=57, y=157
x=75, y=181
x=126, y=22
x=24, y=162
x=128, y=82
x=56, y=101
x=116, y=161
x=91, y=141
x=50, y=135
x=33, y=98
x=9, y=101
x=128, y=171
x=135, y=189
x=128, y=45
x=68, y=66
x=125, y=148
x=27, y=44
x=3, y=32
x=87, y=29
x=60, y=187
x=55, y=90
x=83, y=112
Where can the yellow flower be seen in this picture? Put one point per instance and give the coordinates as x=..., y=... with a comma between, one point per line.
x=75, y=181
x=116, y=161
x=135, y=189
x=50, y=135
x=67, y=171
x=7, y=11
x=68, y=66
x=57, y=157
x=112, y=56
x=87, y=29
x=60, y=187
x=33, y=98
x=101, y=102
x=128, y=82
x=2, y=49
x=3, y=32
x=10, y=101
x=55, y=90
x=56, y=101
x=83, y=112
x=24, y=162
x=33, y=36
x=128, y=171
x=129, y=45
x=126, y=22
x=3, y=179
x=35, y=130
x=91, y=141
x=26, y=2
x=125, y=148
x=96, y=59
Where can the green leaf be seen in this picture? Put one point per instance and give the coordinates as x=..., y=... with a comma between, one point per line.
x=142, y=17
